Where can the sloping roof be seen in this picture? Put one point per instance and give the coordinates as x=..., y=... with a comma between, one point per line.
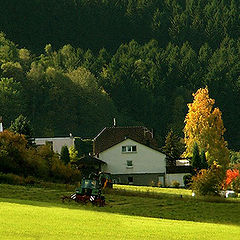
x=89, y=160
x=111, y=136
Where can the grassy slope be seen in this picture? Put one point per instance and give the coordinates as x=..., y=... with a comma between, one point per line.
x=34, y=213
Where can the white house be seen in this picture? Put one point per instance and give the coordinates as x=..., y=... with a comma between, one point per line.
x=1, y=125
x=132, y=157
x=56, y=142
x=134, y=163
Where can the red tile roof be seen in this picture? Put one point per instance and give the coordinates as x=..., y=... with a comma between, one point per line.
x=111, y=136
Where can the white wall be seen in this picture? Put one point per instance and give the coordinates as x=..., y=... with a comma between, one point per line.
x=145, y=159
x=174, y=177
x=58, y=143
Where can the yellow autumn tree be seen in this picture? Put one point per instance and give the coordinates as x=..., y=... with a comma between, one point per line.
x=204, y=126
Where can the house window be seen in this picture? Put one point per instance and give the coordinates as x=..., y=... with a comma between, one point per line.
x=130, y=180
x=134, y=148
x=129, y=149
x=129, y=163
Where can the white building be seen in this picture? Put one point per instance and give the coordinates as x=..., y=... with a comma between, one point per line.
x=56, y=142
x=132, y=157
x=134, y=163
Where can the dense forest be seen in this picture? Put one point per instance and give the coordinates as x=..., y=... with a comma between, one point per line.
x=74, y=65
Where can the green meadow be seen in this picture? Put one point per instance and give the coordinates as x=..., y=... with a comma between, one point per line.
x=130, y=213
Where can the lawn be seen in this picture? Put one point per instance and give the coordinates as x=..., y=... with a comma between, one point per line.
x=37, y=213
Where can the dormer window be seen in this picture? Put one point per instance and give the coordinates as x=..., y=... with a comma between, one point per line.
x=129, y=148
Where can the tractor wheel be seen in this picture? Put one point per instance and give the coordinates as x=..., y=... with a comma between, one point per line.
x=102, y=202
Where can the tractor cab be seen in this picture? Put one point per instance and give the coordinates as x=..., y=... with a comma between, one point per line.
x=89, y=187
x=92, y=185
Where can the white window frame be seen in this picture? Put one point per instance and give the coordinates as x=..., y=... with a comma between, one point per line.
x=129, y=164
x=129, y=149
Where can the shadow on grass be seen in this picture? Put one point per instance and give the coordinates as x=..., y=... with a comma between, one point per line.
x=144, y=204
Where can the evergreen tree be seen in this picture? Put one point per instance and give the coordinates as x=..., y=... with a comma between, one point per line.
x=196, y=159
x=173, y=148
x=204, y=164
x=65, y=156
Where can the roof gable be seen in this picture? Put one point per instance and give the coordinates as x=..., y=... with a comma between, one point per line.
x=125, y=140
x=111, y=136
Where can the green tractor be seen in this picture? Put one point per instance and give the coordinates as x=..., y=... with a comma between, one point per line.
x=91, y=189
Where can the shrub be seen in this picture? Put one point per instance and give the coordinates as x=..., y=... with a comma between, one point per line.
x=10, y=178
x=208, y=182
x=152, y=184
x=12, y=152
x=187, y=180
x=61, y=172
x=236, y=185
x=41, y=162
x=35, y=164
x=159, y=184
x=30, y=180
x=175, y=184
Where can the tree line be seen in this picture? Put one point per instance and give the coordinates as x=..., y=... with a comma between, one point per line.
x=109, y=23
x=137, y=61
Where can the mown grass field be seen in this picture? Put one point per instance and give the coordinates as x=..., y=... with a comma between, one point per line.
x=131, y=213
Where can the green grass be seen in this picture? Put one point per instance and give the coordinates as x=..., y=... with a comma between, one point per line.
x=152, y=213
x=155, y=190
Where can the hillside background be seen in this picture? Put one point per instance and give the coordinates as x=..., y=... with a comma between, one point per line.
x=74, y=65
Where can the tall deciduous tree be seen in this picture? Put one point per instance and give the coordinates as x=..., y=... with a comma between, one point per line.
x=204, y=126
x=11, y=99
x=22, y=126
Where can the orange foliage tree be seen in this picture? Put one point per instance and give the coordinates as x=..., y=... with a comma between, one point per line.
x=232, y=179
x=204, y=126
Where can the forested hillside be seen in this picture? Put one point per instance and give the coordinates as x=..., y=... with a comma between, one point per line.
x=79, y=63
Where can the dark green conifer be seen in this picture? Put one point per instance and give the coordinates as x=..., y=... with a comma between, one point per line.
x=65, y=157
x=196, y=159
